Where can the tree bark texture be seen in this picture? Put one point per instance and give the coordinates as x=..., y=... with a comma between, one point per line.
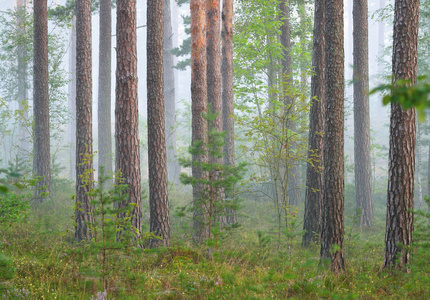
x=173, y=168
x=362, y=163
x=214, y=60
x=227, y=94
x=127, y=156
x=84, y=139
x=104, y=89
x=419, y=162
x=314, y=170
x=332, y=237
x=198, y=106
x=400, y=200
x=428, y=180
x=213, y=52
x=71, y=128
x=42, y=157
x=158, y=191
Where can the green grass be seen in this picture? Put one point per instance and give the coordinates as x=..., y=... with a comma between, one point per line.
x=48, y=265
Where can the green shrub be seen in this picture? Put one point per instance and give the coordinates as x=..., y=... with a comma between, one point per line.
x=7, y=270
x=13, y=208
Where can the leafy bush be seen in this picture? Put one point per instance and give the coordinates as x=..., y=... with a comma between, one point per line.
x=7, y=270
x=13, y=208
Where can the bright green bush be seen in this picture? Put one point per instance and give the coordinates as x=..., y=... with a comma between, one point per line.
x=13, y=208
x=7, y=270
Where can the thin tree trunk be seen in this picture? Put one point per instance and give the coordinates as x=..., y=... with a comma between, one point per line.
x=158, y=192
x=332, y=237
x=24, y=138
x=42, y=157
x=291, y=175
x=381, y=39
x=198, y=106
x=400, y=202
x=363, y=174
x=227, y=95
x=71, y=129
x=173, y=168
x=294, y=171
x=127, y=155
x=314, y=171
x=84, y=139
x=104, y=89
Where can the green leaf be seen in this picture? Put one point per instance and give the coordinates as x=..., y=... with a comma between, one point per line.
x=3, y=189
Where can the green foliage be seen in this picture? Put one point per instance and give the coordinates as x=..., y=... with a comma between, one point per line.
x=408, y=96
x=184, y=50
x=7, y=269
x=247, y=265
x=218, y=179
x=64, y=13
x=16, y=64
x=14, y=201
x=13, y=208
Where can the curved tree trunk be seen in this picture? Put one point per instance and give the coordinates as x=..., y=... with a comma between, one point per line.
x=42, y=157
x=363, y=174
x=104, y=95
x=400, y=202
x=84, y=138
x=158, y=192
x=314, y=171
x=332, y=237
x=198, y=106
x=127, y=155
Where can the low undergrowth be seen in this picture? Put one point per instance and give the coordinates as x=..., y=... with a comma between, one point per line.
x=43, y=262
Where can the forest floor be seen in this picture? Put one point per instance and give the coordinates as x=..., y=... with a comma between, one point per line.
x=249, y=262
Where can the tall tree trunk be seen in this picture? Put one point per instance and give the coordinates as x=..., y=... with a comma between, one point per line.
x=294, y=172
x=332, y=237
x=400, y=202
x=42, y=157
x=227, y=95
x=419, y=162
x=287, y=80
x=173, y=168
x=71, y=127
x=127, y=155
x=363, y=174
x=214, y=60
x=213, y=52
x=84, y=138
x=24, y=147
x=314, y=171
x=198, y=107
x=158, y=192
x=381, y=39
x=428, y=182
x=104, y=95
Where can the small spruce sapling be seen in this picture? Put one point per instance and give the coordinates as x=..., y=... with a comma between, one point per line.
x=219, y=179
x=110, y=231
